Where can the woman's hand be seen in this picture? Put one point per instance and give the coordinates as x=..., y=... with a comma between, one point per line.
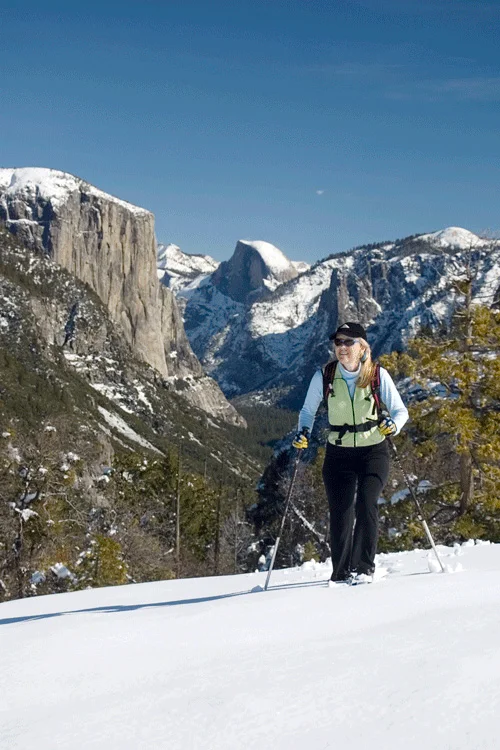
x=387, y=426
x=300, y=440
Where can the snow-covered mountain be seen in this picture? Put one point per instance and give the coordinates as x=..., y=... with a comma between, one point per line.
x=255, y=269
x=411, y=662
x=178, y=270
x=453, y=237
x=110, y=245
x=276, y=339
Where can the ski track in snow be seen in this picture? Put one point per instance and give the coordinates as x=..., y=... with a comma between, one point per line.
x=410, y=662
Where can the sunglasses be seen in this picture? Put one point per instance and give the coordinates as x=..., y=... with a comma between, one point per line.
x=345, y=342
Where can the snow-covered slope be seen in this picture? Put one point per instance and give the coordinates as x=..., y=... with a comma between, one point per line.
x=51, y=185
x=179, y=270
x=454, y=237
x=300, y=265
x=393, y=288
x=410, y=662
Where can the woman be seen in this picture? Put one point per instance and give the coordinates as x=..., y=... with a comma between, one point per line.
x=356, y=463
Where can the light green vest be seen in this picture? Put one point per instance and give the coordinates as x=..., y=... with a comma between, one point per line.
x=342, y=410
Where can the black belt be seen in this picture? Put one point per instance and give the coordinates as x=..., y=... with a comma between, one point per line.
x=343, y=428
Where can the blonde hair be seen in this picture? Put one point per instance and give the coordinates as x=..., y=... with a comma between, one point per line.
x=367, y=366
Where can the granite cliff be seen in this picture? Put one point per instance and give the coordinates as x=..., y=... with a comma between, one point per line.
x=110, y=245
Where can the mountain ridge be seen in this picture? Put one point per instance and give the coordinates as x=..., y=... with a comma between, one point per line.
x=394, y=288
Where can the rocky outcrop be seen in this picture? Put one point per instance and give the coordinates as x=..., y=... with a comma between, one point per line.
x=106, y=243
x=255, y=269
x=110, y=245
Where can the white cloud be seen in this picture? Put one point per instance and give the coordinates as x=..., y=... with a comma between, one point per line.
x=319, y=192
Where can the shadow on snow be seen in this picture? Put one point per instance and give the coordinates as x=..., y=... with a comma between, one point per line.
x=174, y=603
x=148, y=605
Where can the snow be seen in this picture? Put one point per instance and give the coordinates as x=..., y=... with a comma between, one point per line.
x=422, y=486
x=27, y=513
x=285, y=322
x=113, y=393
x=120, y=394
x=212, y=423
x=184, y=273
x=172, y=259
x=37, y=577
x=295, y=305
x=117, y=423
x=488, y=285
x=412, y=661
x=141, y=396
x=300, y=266
x=218, y=311
x=53, y=185
x=181, y=271
x=166, y=254
x=61, y=571
x=454, y=237
x=186, y=289
x=275, y=260
x=49, y=183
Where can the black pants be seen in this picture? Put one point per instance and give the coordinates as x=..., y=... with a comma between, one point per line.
x=354, y=479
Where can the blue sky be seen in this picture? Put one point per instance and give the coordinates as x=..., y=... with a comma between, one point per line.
x=316, y=125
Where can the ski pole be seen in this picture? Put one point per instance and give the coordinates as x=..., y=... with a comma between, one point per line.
x=287, y=503
x=420, y=515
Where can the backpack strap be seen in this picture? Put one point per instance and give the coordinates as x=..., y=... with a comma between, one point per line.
x=328, y=376
x=375, y=386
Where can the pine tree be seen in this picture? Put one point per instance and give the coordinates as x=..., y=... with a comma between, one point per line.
x=456, y=427
x=101, y=564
